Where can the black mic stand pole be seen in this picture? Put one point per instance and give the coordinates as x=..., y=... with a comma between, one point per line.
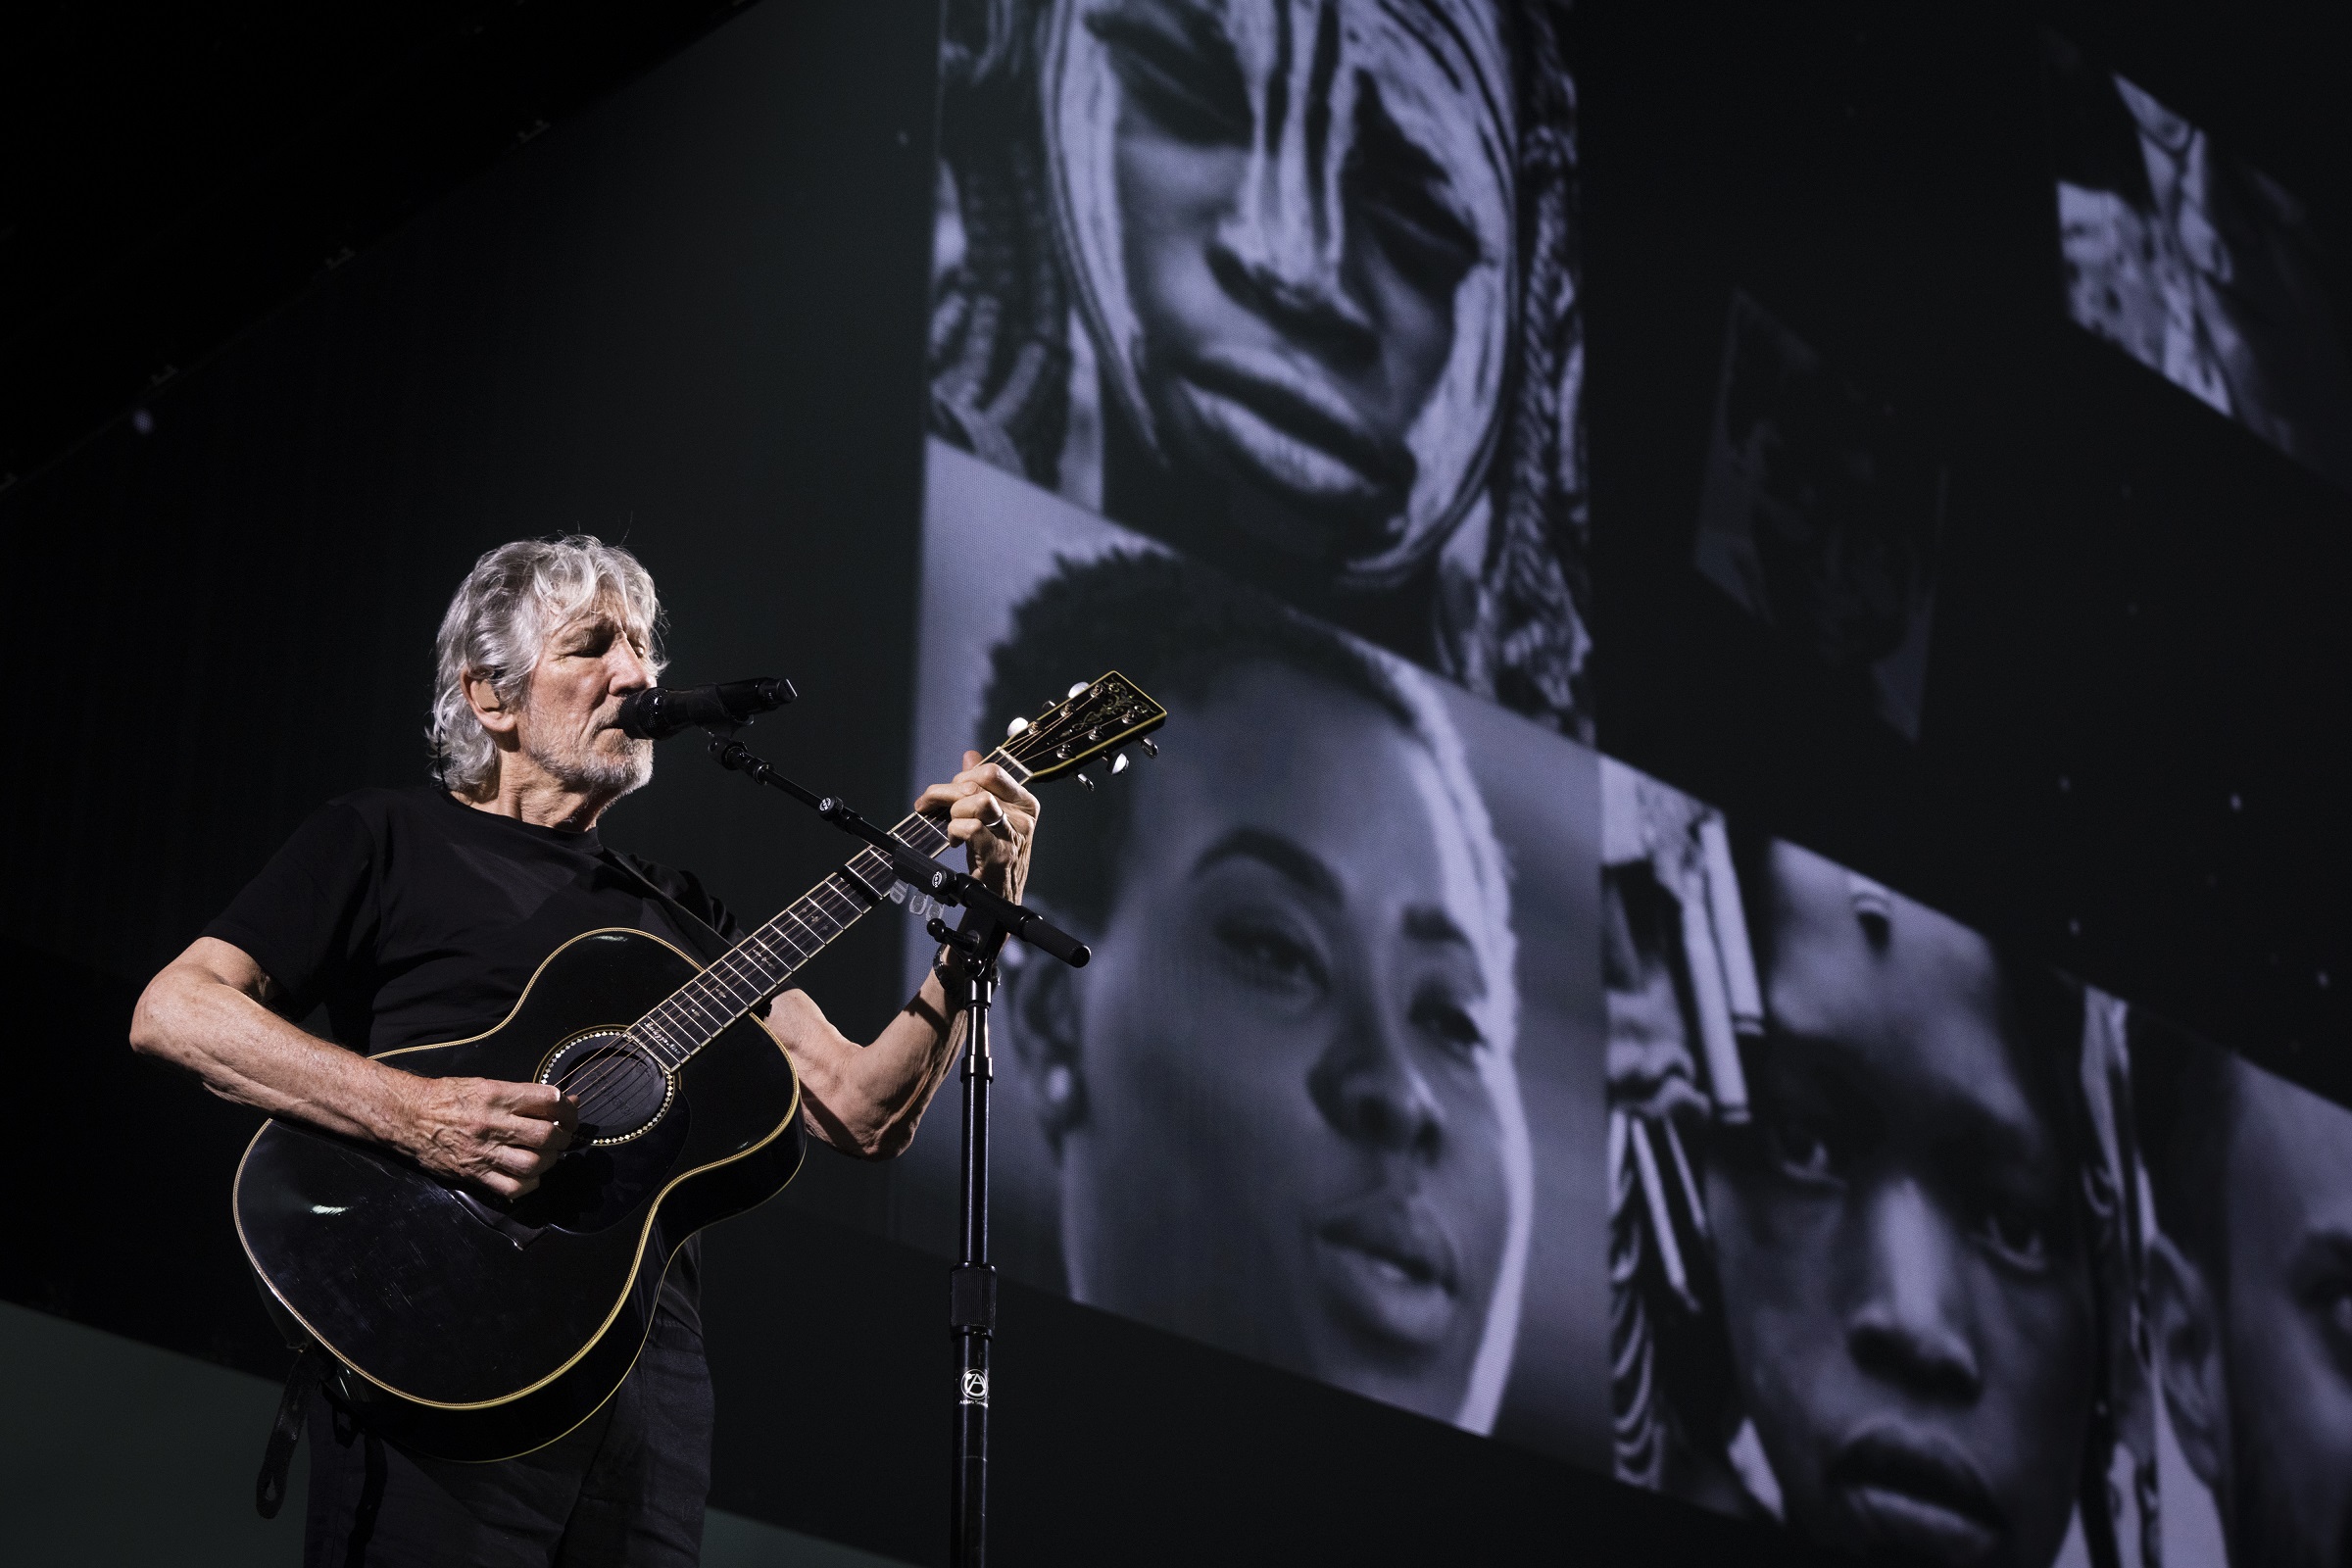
x=972, y=1285
x=972, y=948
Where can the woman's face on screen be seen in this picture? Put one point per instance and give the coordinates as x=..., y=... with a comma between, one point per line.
x=1290, y=1141
x=1295, y=230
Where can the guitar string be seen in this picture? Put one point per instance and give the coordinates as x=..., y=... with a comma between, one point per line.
x=667, y=1014
x=672, y=1022
x=829, y=902
x=673, y=1015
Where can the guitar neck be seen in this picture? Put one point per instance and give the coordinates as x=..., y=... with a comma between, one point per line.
x=758, y=967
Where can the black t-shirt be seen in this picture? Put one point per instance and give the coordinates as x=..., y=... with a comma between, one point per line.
x=413, y=918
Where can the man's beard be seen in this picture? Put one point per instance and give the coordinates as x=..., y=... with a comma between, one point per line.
x=581, y=765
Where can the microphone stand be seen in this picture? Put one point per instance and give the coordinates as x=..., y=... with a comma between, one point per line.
x=972, y=1283
x=972, y=947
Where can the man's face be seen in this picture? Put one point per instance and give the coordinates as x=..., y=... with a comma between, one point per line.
x=1298, y=1111
x=2287, y=1327
x=569, y=721
x=1292, y=251
x=1905, y=1292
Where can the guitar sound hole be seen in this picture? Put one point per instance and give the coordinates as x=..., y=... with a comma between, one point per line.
x=621, y=1090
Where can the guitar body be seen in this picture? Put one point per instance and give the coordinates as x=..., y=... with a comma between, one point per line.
x=477, y=1331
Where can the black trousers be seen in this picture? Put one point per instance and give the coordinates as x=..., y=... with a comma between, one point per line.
x=625, y=1489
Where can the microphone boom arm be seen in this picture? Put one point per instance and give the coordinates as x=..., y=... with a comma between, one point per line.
x=914, y=868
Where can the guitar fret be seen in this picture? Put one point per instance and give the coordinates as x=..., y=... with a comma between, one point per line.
x=754, y=981
x=759, y=964
x=738, y=973
x=686, y=998
x=919, y=834
x=783, y=965
x=804, y=925
x=661, y=1036
x=715, y=976
x=776, y=929
x=832, y=898
x=1099, y=717
x=680, y=1042
x=647, y=1041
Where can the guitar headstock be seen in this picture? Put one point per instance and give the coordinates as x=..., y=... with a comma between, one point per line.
x=1095, y=718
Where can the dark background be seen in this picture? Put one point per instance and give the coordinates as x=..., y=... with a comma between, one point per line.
x=304, y=308
x=2131, y=752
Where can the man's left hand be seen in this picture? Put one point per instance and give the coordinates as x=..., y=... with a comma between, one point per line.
x=991, y=817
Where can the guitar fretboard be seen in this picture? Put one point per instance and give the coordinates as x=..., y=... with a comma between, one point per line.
x=757, y=967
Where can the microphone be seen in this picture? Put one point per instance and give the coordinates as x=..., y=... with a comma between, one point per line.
x=657, y=713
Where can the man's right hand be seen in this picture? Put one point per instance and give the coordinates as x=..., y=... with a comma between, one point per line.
x=207, y=1012
x=501, y=1135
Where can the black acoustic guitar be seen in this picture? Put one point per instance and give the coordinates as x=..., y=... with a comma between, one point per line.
x=477, y=1329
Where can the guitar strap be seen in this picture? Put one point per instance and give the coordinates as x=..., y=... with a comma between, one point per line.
x=692, y=921
x=293, y=1414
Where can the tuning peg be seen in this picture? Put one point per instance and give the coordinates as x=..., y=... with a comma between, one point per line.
x=1018, y=726
x=1150, y=750
x=1083, y=779
x=1118, y=765
x=1078, y=689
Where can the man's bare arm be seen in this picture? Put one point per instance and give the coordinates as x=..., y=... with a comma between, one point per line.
x=204, y=1011
x=866, y=1100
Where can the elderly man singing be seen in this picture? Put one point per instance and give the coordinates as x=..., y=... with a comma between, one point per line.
x=419, y=914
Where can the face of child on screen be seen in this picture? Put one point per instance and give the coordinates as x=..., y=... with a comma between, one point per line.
x=1281, y=1093
x=1908, y=1300
x=1302, y=190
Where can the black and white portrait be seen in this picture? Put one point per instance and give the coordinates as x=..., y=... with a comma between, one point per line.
x=1293, y=286
x=1292, y=1106
x=2250, y=1299
x=1873, y=1245
x=2196, y=265
x=1821, y=515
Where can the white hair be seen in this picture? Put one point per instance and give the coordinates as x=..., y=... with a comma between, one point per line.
x=497, y=626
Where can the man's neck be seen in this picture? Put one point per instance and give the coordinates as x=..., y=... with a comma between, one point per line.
x=530, y=794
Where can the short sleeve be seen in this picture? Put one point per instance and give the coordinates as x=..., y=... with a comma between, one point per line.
x=686, y=890
x=311, y=912
x=713, y=913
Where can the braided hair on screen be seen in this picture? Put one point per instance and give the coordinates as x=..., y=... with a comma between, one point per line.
x=1511, y=610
